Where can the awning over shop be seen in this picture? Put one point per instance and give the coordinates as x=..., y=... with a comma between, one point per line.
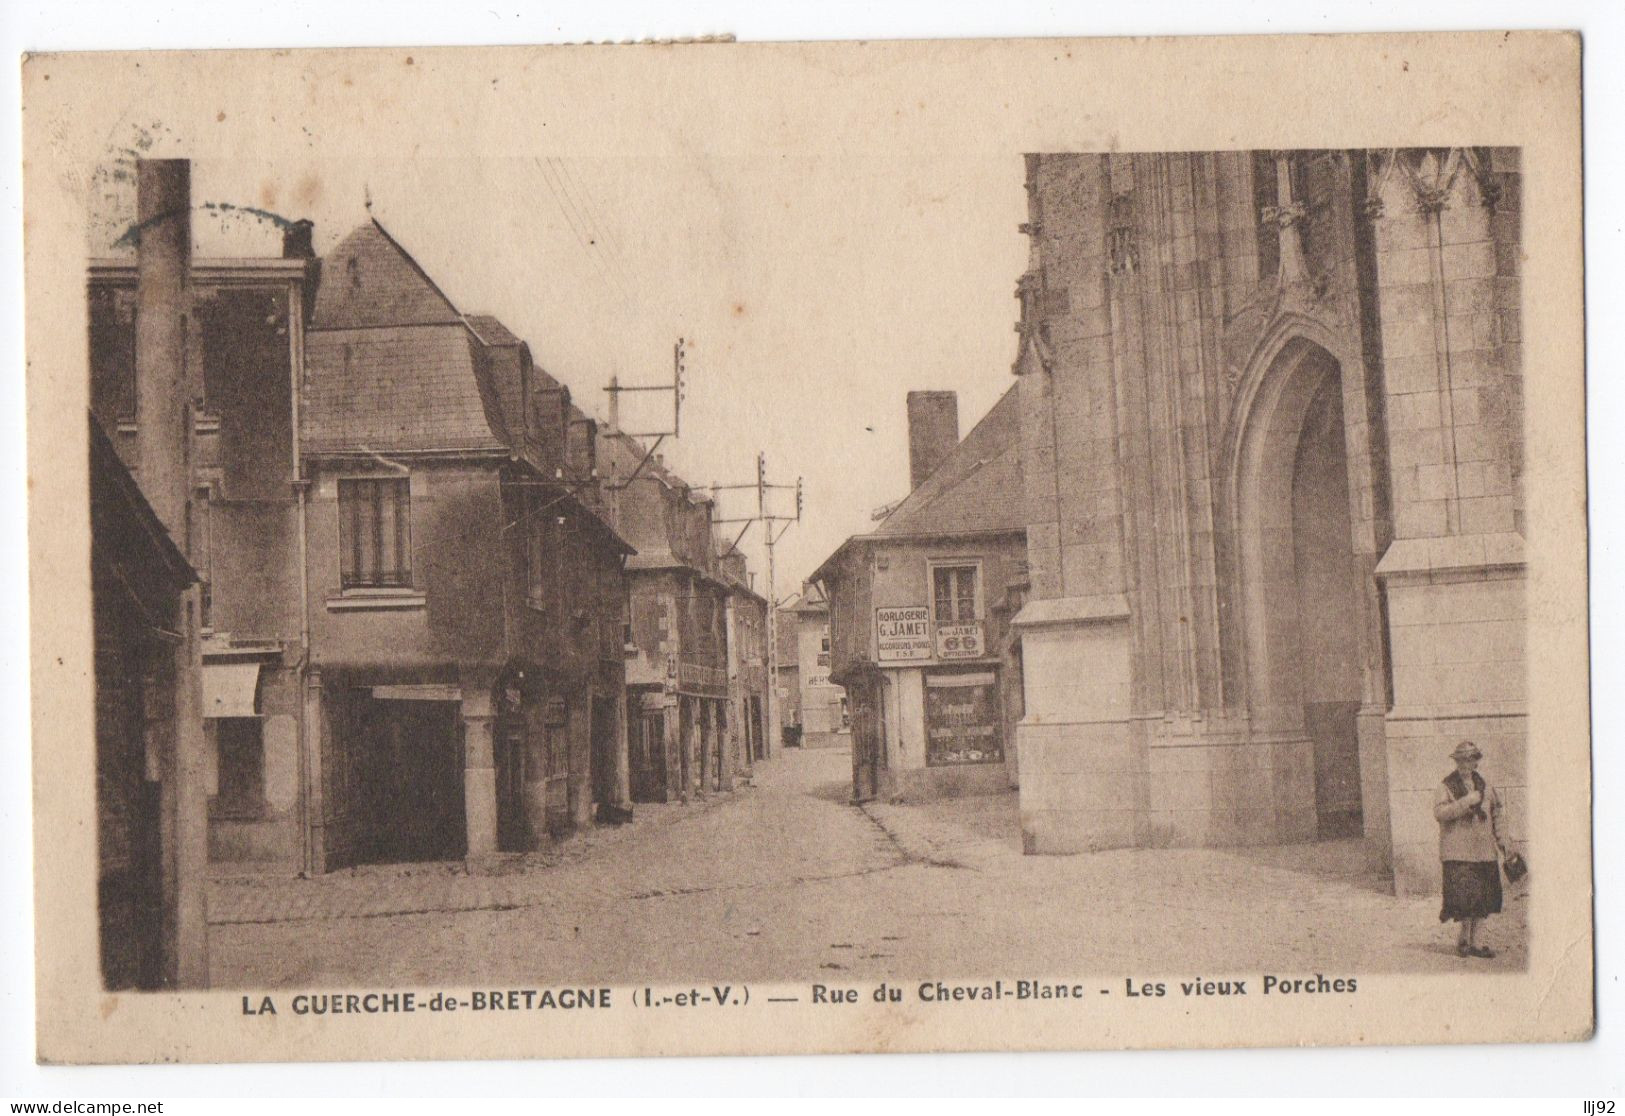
x=229, y=689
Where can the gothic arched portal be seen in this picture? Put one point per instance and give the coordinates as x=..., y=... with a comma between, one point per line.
x=1301, y=578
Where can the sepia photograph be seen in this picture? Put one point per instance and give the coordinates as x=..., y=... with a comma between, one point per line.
x=748, y=575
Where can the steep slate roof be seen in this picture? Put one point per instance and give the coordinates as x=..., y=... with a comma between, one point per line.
x=370, y=280
x=389, y=362
x=397, y=388
x=976, y=488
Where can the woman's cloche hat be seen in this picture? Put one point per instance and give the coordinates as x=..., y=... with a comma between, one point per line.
x=1466, y=750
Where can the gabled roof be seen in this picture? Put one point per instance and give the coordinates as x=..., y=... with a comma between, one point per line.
x=390, y=364
x=977, y=488
x=128, y=533
x=810, y=600
x=976, y=491
x=369, y=280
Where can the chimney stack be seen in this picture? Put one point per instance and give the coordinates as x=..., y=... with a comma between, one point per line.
x=298, y=240
x=933, y=432
x=163, y=296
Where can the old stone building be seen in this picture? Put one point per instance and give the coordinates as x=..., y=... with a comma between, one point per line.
x=826, y=716
x=920, y=610
x=411, y=603
x=466, y=594
x=677, y=656
x=1272, y=452
x=242, y=518
x=787, y=677
x=151, y=856
x=746, y=632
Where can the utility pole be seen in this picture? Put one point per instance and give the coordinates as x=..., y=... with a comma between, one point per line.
x=678, y=388
x=771, y=533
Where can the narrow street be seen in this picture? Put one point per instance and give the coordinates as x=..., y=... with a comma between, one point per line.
x=785, y=877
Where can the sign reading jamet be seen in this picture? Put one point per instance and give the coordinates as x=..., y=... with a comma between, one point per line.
x=903, y=634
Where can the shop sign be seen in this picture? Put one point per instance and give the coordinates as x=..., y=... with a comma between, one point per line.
x=903, y=634
x=960, y=641
x=701, y=679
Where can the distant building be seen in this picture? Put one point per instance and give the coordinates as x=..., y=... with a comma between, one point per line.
x=825, y=719
x=920, y=613
x=683, y=735
x=747, y=666
x=789, y=676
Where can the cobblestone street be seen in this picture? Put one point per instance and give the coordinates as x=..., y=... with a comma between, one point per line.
x=785, y=880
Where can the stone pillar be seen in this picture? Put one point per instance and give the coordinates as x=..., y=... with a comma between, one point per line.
x=314, y=745
x=1083, y=768
x=1445, y=229
x=479, y=772
x=192, y=805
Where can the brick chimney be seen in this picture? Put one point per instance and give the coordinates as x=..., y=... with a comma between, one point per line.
x=933, y=432
x=298, y=240
x=163, y=293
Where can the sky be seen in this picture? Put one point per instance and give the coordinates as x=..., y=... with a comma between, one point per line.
x=814, y=291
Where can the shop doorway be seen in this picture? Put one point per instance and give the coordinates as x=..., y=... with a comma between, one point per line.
x=410, y=755
x=647, y=748
x=510, y=740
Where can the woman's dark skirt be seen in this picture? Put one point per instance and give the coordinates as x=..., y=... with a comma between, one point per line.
x=1472, y=889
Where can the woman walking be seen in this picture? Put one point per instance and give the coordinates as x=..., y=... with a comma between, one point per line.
x=1468, y=810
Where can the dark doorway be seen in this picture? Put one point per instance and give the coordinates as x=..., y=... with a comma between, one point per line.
x=509, y=741
x=604, y=735
x=1328, y=609
x=688, y=730
x=412, y=789
x=128, y=805
x=868, y=740
x=647, y=751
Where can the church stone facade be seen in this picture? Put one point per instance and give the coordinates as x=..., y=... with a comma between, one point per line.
x=1271, y=437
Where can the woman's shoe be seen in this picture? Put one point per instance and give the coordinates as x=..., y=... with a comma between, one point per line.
x=1482, y=951
x=1463, y=949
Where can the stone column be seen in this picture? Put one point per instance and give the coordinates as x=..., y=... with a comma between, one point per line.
x=1447, y=252
x=479, y=773
x=314, y=745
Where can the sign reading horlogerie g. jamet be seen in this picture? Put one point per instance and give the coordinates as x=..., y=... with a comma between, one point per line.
x=903, y=635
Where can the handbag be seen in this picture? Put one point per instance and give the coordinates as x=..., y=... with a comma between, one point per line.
x=1515, y=867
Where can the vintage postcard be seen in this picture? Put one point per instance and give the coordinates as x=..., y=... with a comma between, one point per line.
x=718, y=548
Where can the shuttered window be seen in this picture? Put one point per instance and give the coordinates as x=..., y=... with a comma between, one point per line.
x=375, y=533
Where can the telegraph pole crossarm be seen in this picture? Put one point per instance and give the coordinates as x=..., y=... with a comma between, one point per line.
x=770, y=538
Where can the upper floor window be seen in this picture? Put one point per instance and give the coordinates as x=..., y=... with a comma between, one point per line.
x=375, y=533
x=955, y=593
